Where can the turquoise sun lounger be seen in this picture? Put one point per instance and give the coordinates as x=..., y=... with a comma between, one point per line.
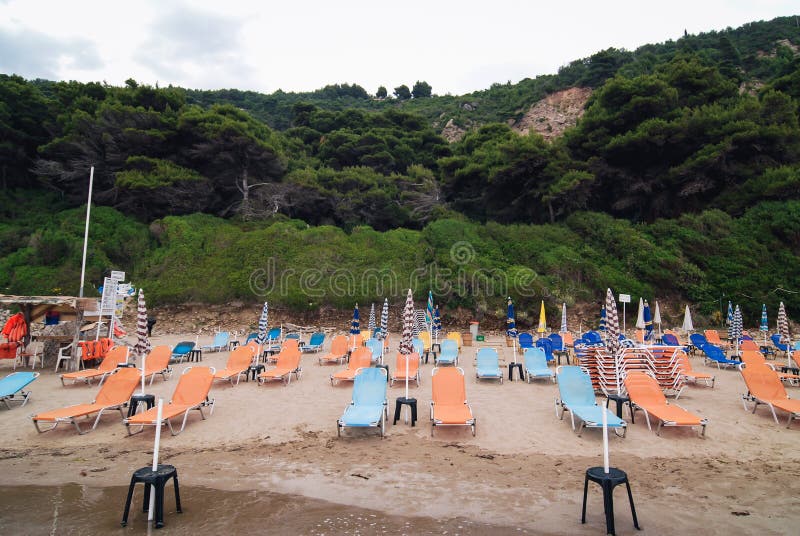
x=535, y=362
x=11, y=387
x=368, y=408
x=577, y=397
x=488, y=365
x=448, y=354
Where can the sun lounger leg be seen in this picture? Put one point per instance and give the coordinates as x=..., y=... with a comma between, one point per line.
x=789, y=422
x=773, y=413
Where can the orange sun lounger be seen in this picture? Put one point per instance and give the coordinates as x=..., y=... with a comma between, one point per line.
x=764, y=387
x=190, y=393
x=114, y=394
x=712, y=336
x=449, y=405
x=690, y=374
x=157, y=362
x=288, y=364
x=645, y=394
x=340, y=345
x=116, y=356
x=238, y=363
x=360, y=358
x=757, y=358
x=400, y=368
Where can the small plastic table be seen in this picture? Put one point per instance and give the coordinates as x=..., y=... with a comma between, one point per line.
x=620, y=400
x=253, y=371
x=133, y=406
x=159, y=479
x=511, y=367
x=608, y=481
x=412, y=404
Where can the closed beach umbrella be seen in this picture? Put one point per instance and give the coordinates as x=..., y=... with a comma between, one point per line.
x=511, y=324
x=142, y=342
x=735, y=332
x=563, y=318
x=783, y=329
x=437, y=323
x=729, y=317
x=687, y=321
x=657, y=318
x=429, y=311
x=263, y=323
x=355, y=330
x=764, y=327
x=542, y=320
x=612, y=327
x=602, y=318
x=406, y=344
x=648, y=322
x=385, y=319
x=371, y=325
x=640, y=315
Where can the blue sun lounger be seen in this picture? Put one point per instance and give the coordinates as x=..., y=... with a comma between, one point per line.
x=535, y=363
x=11, y=387
x=715, y=354
x=488, y=365
x=314, y=343
x=221, y=341
x=368, y=407
x=449, y=353
x=577, y=397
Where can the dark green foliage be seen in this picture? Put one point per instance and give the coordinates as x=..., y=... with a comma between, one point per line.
x=421, y=90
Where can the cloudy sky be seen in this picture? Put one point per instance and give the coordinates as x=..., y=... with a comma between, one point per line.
x=300, y=45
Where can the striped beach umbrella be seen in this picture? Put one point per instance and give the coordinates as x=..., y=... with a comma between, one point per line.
x=729, y=317
x=612, y=329
x=371, y=325
x=263, y=323
x=142, y=342
x=542, y=328
x=687, y=321
x=406, y=344
x=429, y=310
x=437, y=323
x=783, y=330
x=511, y=323
x=764, y=327
x=735, y=332
x=385, y=319
x=648, y=322
x=563, y=317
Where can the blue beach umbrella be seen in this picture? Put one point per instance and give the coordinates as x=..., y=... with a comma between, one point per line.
x=729, y=318
x=602, y=318
x=648, y=322
x=429, y=311
x=371, y=325
x=437, y=323
x=511, y=324
x=354, y=325
x=262, y=324
x=764, y=327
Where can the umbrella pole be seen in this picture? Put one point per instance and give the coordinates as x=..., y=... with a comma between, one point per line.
x=159, y=415
x=407, y=356
x=144, y=358
x=605, y=441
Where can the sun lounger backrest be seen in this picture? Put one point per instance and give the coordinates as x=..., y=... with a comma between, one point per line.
x=274, y=334
x=712, y=336
x=339, y=345
x=449, y=387
x=487, y=358
x=413, y=363
x=525, y=340
x=193, y=386
x=316, y=339
x=289, y=359
x=183, y=347
x=455, y=336
x=425, y=337
x=240, y=358
x=566, y=336
x=361, y=357
x=669, y=339
x=558, y=342
x=748, y=344
x=753, y=357
x=643, y=389
x=713, y=352
x=534, y=358
x=369, y=387
x=575, y=387
x=116, y=356
x=290, y=344
x=376, y=347
x=763, y=383
x=449, y=346
x=16, y=381
x=158, y=358
x=119, y=387
x=221, y=339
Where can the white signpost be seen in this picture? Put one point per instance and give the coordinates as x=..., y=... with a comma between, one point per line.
x=623, y=299
x=108, y=304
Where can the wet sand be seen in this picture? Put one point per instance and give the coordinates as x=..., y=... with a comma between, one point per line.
x=272, y=450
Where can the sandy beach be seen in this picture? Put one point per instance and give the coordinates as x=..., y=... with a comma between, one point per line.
x=522, y=472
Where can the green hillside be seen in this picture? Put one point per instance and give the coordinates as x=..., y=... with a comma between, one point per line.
x=680, y=180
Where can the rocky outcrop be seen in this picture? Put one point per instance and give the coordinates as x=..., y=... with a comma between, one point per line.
x=552, y=115
x=452, y=132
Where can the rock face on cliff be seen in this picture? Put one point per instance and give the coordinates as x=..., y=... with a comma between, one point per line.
x=552, y=115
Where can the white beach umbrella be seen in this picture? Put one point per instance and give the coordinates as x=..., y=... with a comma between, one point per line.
x=687, y=321
x=657, y=318
x=640, y=315
x=563, y=317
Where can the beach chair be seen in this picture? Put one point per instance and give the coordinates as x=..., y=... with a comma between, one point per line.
x=251, y=337
x=577, y=396
x=400, y=368
x=425, y=337
x=28, y=354
x=712, y=336
x=368, y=406
x=315, y=342
x=487, y=365
x=157, y=362
x=764, y=387
x=418, y=345
x=754, y=357
x=698, y=340
x=181, y=351
x=714, y=354
x=748, y=344
x=10, y=350
x=290, y=343
x=449, y=353
x=339, y=349
x=456, y=336
x=114, y=394
x=221, y=341
x=288, y=363
x=546, y=345
x=376, y=349
x=238, y=362
x=690, y=374
x=646, y=395
x=559, y=347
x=11, y=387
x=360, y=358
x=449, y=406
x=191, y=393
x=109, y=365
x=535, y=364
x=776, y=341
x=525, y=340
